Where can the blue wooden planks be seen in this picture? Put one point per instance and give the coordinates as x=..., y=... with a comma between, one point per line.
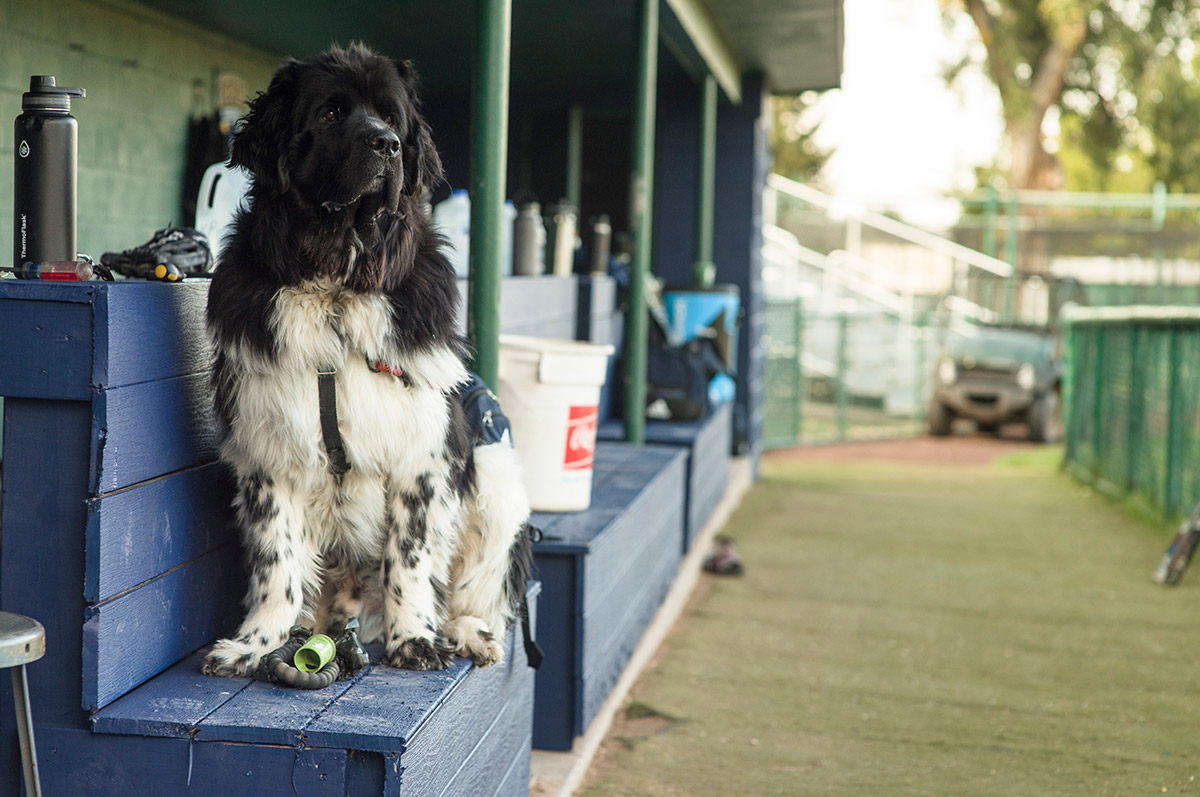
x=65, y=338
x=115, y=509
x=268, y=713
x=605, y=571
x=709, y=442
x=146, y=331
x=493, y=711
x=457, y=731
x=41, y=559
x=135, y=636
x=171, y=704
x=148, y=429
x=77, y=762
x=47, y=351
x=137, y=534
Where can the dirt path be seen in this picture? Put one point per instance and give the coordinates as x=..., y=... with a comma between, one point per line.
x=975, y=449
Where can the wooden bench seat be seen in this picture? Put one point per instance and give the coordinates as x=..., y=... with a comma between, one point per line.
x=460, y=730
x=708, y=443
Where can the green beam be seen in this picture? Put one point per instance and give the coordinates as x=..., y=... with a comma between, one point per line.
x=575, y=157
x=641, y=204
x=489, y=152
x=704, y=269
x=697, y=21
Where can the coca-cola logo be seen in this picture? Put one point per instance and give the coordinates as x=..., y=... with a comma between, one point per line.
x=23, y=150
x=581, y=437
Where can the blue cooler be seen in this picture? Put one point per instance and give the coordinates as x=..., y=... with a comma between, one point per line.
x=692, y=310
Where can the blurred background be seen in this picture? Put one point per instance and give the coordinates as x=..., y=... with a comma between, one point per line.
x=985, y=165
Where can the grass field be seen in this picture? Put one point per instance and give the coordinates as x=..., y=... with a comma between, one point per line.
x=912, y=628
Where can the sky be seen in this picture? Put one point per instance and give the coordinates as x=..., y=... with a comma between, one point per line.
x=901, y=136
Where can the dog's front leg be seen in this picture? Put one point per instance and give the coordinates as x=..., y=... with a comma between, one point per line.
x=484, y=596
x=280, y=564
x=414, y=570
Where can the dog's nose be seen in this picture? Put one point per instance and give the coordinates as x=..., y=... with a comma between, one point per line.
x=384, y=142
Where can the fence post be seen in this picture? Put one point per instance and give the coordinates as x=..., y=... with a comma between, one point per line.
x=990, y=203
x=798, y=382
x=1171, y=500
x=1158, y=217
x=917, y=332
x=1011, y=251
x=1070, y=366
x=1137, y=388
x=841, y=393
x=1098, y=395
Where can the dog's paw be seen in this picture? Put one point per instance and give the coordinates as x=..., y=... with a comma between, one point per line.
x=470, y=637
x=231, y=659
x=419, y=653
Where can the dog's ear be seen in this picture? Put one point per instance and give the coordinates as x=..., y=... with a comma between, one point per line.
x=260, y=143
x=422, y=165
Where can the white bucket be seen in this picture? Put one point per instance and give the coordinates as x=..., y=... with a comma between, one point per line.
x=550, y=391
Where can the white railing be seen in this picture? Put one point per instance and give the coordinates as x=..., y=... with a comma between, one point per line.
x=905, y=232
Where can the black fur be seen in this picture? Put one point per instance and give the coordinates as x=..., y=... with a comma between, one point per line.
x=307, y=216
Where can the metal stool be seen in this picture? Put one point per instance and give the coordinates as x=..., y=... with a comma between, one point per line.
x=23, y=640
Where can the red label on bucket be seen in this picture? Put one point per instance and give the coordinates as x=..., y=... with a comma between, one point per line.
x=581, y=437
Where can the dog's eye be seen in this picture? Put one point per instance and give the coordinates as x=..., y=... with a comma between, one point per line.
x=390, y=120
x=332, y=114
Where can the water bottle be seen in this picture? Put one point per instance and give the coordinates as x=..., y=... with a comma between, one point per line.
x=44, y=174
x=452, y=218
x=601, y=245
x=560, y=239
x=529, y=241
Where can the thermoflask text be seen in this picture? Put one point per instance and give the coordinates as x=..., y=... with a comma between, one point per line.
x=46, y=160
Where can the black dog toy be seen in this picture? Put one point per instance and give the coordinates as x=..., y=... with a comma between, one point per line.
x=296, y=664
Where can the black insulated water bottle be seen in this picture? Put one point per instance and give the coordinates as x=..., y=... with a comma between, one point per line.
x=44, y=175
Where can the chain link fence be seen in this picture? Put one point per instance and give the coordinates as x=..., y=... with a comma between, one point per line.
x=841, y=376
x=1132, y=397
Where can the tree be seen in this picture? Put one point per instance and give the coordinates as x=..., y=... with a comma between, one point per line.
x=797, y=155
x=1118, y=75
x=1030, y=46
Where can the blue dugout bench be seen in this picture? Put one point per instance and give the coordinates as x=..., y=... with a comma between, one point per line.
x=115, y=534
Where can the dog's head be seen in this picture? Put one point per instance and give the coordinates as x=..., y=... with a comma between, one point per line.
x=342, y=132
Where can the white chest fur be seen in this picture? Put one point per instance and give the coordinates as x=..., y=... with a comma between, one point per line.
x=387, y=424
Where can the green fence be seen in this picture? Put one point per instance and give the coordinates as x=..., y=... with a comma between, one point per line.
x=1132, y=385
x=838, y=376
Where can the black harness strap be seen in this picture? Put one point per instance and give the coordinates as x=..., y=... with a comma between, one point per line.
x=533, y=651
x=327, y=399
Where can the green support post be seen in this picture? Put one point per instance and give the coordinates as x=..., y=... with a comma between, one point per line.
x=1010, y=252
x=990, y=212
x=640, y=206
x=489, y=152
x=1158, y=217
x=704, y=270
x=575, y=157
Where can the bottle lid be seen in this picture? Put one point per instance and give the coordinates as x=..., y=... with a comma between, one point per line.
x=44, y=95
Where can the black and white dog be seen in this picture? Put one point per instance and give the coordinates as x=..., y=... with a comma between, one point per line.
x=372, y=500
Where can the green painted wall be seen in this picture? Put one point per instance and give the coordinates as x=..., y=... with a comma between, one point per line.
x=146, y=75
